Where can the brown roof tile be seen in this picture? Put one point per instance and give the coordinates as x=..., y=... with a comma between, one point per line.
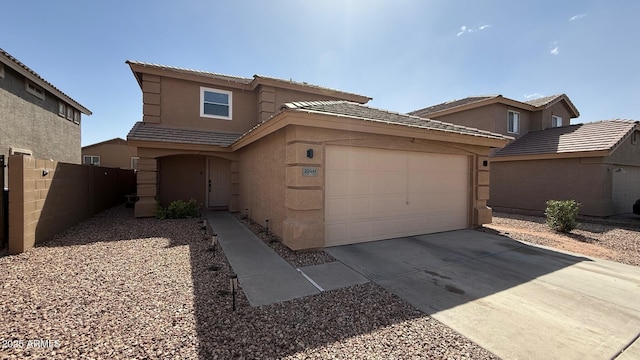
x=363, y=112
x=543, y=100
x=595, y=136
x=450, y=105
x=152, y=132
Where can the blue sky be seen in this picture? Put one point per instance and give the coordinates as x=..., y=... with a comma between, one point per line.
x=405, y=54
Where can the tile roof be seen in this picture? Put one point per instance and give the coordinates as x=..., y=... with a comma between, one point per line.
x=153, y=132
x=543, y=100
x=531, y=105
x=42, y=82
x=595, y=136
x=451, y=104
x=363, y=112
x=253, y=81
x=213, y=75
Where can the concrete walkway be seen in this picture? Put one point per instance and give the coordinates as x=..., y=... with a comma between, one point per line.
x=264, y=276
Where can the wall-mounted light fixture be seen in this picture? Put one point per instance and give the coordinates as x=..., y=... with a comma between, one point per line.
x=45, y=172
x=310, y=153
x=485, y=162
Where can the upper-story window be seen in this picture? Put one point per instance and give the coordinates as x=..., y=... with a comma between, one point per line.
x=215, y=103
x=513, y=122
x=91, y=160
x=34, y=89
x=1, y=70
x=556, y=121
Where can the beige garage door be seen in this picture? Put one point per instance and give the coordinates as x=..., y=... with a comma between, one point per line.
x=374, y=194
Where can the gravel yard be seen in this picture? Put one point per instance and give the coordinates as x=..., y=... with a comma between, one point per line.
x=612, y=240
x=118, y=287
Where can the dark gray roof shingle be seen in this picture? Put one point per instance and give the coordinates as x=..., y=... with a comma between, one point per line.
x=595, y=136
x=359, y=111
x=153, y=132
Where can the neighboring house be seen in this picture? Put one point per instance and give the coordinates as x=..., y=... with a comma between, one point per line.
x=596, y=164
x=37, y=118
x=115, y=153
x=502, y=115
x=323, y=168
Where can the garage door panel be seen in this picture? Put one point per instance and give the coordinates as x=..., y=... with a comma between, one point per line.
x=393, y=193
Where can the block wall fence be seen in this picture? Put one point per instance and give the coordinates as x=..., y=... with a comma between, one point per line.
x=46, y=197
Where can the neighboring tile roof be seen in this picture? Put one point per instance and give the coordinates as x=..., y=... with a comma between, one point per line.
x=595, y=136
x=363, y=112
x=543, y=100
x=153, y=132
x=42, y=82
x=451, y=104
x=114, y=140
x=531, y=105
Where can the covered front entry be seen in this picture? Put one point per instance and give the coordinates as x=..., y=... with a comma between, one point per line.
x=374, y=194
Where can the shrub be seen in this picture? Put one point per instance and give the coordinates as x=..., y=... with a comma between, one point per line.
x=178, y=209
x=561, y=215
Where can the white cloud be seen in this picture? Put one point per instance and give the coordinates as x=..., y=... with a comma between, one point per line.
x=466, y=30
x=576, y=17
x=554, y=49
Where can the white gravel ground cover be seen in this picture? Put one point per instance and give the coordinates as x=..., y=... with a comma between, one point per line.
x=115, y=287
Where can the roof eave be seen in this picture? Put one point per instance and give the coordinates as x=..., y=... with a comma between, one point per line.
x=546, y=156
x=44, y=84
x=268, y=81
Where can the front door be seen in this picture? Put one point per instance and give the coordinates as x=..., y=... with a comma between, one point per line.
x=218, y=182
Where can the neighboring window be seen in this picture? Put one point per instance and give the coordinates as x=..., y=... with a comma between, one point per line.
x=69, y=113
x=215, y=103
x=61, y=108
x=91, y=160
x=76, y=116
x=134, y=162
x=34, y=89
x=634, y=137
x=513, y=123
x=556, y=121
x=1, y=70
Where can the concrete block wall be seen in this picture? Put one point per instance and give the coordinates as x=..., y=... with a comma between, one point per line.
x=46, y=197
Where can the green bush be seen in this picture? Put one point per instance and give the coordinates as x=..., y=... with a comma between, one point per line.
x=178, y=209
x=561, y=215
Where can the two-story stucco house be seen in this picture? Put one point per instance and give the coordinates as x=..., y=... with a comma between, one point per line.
x=596, y=164
x=37, y=118
x=321, y=166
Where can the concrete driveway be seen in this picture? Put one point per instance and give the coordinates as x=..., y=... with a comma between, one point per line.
x=516, y=300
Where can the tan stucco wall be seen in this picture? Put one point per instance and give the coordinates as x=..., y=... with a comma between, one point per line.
x=529, y=184
x=492, y=118
x=47, y=197
x=180, y=106
x=115, y=154
x=261, y=172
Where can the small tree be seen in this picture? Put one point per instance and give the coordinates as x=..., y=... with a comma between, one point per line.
x=561, y=215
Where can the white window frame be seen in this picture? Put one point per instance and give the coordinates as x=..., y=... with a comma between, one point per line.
x=34, y=89
x=516, y=124
x=92, y=160
x=556, y=121
x=134, y=162
x=228, y=93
